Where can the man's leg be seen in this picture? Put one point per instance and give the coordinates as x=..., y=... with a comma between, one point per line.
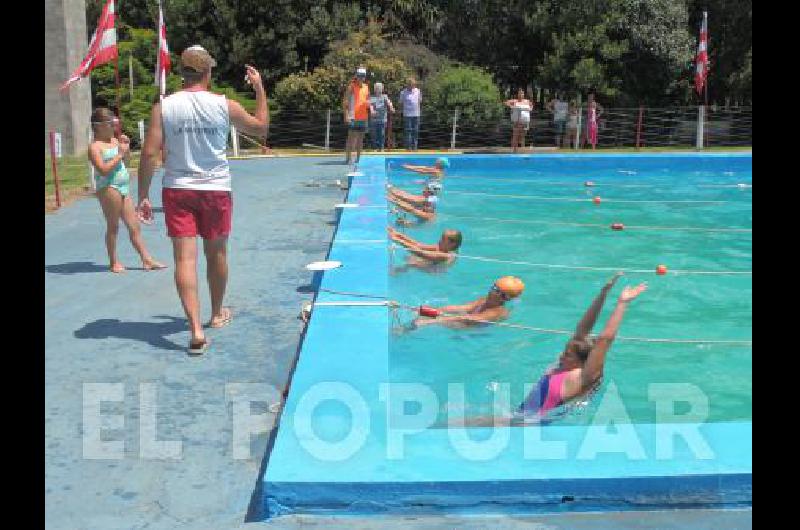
x=185, y=250
x=359, y=141
x=408, y=133
x=415, y=128
x=216, y=251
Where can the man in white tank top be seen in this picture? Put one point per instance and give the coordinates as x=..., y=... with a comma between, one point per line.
x=191, y=126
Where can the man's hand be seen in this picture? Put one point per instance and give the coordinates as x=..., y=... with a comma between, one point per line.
x=145, y=211
x=253, y=78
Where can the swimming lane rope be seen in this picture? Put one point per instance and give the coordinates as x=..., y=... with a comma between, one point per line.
x=394, y=305
x=574, y=199
x=598, y=225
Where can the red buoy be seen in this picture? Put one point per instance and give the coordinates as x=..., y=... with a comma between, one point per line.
x=617, y=226
x=427, y=311
x=596, y=200
x=661, y=270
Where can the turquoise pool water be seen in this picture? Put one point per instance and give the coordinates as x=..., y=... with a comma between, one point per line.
x=688, y=213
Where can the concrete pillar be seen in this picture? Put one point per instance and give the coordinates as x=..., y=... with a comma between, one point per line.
x=65, y=42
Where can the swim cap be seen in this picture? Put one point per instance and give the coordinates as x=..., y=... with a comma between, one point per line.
x=511, y=286
x=445, y=163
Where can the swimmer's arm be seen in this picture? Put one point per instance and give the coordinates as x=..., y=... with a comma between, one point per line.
x=466, y=308
x=590, y=317
x=593, y=368
x=151, y=148
x=96, y=158
x=430, y=255
x=428, y=216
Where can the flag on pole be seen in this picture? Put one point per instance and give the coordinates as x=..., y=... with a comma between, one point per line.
x=102, y=47
x=701, y=72
x=163, y=62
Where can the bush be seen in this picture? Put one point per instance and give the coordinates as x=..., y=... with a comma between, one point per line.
x=471, y=90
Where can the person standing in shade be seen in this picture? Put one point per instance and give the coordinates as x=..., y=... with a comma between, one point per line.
x=560, y=110
x=593, y=112
x=357, y=110
x=410, y=102
x=382, y=106
x=192, y=127
x=521, y=108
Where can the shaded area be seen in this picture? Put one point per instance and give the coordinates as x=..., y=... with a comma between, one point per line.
x=152, y=333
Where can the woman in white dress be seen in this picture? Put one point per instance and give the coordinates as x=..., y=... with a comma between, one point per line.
x=520, y=119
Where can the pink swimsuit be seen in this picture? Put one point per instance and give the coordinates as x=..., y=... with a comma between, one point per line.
x=546, y=395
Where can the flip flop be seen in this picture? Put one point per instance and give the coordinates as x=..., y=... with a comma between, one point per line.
x=198, y=348
x=227, y=317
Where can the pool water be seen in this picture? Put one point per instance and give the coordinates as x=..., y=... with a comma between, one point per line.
x=533, y=217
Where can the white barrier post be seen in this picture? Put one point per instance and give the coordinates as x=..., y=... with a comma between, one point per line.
x=328, y=132
x=235, y=141
x=141, y=132
x=701, y=118
x=578, y=132
x=455, y=125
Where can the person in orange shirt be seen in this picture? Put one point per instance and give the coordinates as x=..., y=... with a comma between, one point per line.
x=357, y=110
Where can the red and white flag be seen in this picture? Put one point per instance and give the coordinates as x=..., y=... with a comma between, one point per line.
x=701, y=72
x=102, y=47
x=162, y=63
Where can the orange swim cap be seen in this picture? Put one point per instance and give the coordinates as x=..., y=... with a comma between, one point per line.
x=511, y=286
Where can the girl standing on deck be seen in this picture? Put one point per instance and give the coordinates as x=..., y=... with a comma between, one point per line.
x=108, y=153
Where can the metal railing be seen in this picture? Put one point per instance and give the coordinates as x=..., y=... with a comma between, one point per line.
x=617, y=128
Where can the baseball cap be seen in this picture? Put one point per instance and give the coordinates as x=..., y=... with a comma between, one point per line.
x=361, y=72
x=197, y=58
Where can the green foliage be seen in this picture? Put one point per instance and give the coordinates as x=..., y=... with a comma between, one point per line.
x=471, y=90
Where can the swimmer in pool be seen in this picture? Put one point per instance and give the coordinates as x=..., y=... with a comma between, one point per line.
x=579, y=368
x=430, y=258
x=424, y=213
x=432, y=189
x=489, y=308
x=437, y=170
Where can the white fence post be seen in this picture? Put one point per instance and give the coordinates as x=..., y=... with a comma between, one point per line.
x=578, y=133
x=328, y=132
x=701, y=118
x=235, y=141
x=141, y=132
x=455, y=126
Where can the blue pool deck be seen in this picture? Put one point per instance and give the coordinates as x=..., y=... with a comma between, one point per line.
x=346, y=351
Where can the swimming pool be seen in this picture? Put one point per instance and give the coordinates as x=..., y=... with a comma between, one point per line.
x=358, y=434
x=534, y=218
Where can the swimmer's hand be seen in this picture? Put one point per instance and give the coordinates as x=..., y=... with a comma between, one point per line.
x=629, y=293
x=610, y=283
x=145, y=211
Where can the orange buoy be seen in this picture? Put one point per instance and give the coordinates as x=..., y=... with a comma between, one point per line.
x=596, y=200
x=661, y=270
x=617, y=226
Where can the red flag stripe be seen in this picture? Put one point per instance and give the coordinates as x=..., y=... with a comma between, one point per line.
x=100, y=50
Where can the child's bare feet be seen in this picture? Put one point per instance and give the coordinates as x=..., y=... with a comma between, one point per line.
x=117, y=268
x=153, y=265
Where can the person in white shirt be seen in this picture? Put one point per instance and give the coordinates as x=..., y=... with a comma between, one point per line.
x=410, y=103
x=191, y=126
x=521, y=108
x=560, y=110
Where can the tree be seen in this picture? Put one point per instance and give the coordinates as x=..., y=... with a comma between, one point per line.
x=470, y=90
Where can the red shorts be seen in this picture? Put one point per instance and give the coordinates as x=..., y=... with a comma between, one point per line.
x=193, y=212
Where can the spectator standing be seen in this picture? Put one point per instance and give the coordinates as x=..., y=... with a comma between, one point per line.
x=560, y=110
x=357, y=110
x=521, y=108
x=382, y=106
x=410, y=102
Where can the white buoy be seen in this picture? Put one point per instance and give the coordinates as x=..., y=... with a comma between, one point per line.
x=323, y=265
